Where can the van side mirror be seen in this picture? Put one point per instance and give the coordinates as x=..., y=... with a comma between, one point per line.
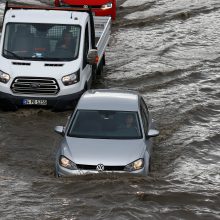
x=152, y=133
x=60, y=130
x=92, y=57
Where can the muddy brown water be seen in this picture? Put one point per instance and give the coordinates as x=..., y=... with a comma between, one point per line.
x=168, y=50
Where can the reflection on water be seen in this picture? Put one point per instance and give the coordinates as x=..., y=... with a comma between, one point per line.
x=169, y=52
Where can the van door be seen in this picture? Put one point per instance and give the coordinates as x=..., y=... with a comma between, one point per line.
x=86, y=68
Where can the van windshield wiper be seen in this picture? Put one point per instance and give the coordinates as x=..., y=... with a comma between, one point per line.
x=13, y=54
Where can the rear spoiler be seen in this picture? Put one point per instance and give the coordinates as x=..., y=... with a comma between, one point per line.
x=9, y=6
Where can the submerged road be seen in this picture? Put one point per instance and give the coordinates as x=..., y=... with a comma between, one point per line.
x=168, y=50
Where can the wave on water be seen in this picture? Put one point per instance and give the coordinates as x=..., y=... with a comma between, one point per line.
x=168, y=50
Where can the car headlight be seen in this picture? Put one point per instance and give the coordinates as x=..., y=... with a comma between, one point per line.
x=106, y=6
x=65, y=162
x=71, y=78
x=136, y=165
x=4, y=77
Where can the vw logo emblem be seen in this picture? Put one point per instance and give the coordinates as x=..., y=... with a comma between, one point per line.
x=100, y=167
x=85, y=6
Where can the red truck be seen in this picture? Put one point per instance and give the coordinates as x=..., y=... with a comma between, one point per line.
x=99, y=7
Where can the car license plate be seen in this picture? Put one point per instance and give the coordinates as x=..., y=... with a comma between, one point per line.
x=34, y=102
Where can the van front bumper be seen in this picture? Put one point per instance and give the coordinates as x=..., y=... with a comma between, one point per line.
x=59, y=102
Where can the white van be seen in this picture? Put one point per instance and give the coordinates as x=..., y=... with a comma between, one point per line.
x=49, y=56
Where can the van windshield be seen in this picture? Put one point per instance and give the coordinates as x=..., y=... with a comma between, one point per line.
x=100, y=124
x=50, y=42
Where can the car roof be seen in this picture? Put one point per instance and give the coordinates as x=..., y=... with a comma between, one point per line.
x=109, y=99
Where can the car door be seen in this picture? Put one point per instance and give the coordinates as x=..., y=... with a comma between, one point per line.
x=86, y=68
x=146, y=125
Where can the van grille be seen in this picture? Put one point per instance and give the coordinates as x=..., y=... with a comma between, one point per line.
x=33, y=85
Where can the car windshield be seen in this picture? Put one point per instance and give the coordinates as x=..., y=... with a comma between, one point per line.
x=105, y=125
x=50, y=42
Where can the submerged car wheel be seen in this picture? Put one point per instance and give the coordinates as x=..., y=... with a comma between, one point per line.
x=59, y=108
x=8, y=107
x=56, y=174
x=149, y=165
x=94, y=72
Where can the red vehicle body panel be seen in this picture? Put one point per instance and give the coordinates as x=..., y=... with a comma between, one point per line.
x=95, y=4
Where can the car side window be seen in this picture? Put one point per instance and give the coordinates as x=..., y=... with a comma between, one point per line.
x=144, y=119
x=144, y=106
x=86, y=46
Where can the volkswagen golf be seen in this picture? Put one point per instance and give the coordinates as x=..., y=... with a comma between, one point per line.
x=109, y=131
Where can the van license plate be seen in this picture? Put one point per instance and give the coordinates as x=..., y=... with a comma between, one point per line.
x=34, y=102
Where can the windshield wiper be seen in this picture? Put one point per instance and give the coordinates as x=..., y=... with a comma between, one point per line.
x=13, y=54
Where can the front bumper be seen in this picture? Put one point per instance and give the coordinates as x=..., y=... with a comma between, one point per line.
x=54, y=102
x=61, y=171
x=108, y=12
x=96, y=9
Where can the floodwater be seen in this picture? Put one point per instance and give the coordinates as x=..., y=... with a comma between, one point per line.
x=169, y=51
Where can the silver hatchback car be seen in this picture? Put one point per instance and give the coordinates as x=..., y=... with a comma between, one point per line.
x=109, y=131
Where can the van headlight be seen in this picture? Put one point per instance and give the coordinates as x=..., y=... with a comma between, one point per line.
x=4, y=77
x=71, y=78
x=106, y=6
x=136, y=165
x=66, y=163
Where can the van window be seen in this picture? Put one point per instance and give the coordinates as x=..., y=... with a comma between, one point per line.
x=49, y=42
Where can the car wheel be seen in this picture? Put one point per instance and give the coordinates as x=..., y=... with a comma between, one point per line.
x=56, y=174
x=94, y=72
x=9, y=107
x=59, y=108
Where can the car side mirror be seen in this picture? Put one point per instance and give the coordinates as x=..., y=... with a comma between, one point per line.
x=152, y=133
x=92, y=57
x=60, y=130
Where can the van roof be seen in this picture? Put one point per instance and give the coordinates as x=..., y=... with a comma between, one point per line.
x=46, y=16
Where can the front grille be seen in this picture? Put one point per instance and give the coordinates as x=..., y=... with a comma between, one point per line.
x=107, y=168
x=85, y=6
x=35, y=85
